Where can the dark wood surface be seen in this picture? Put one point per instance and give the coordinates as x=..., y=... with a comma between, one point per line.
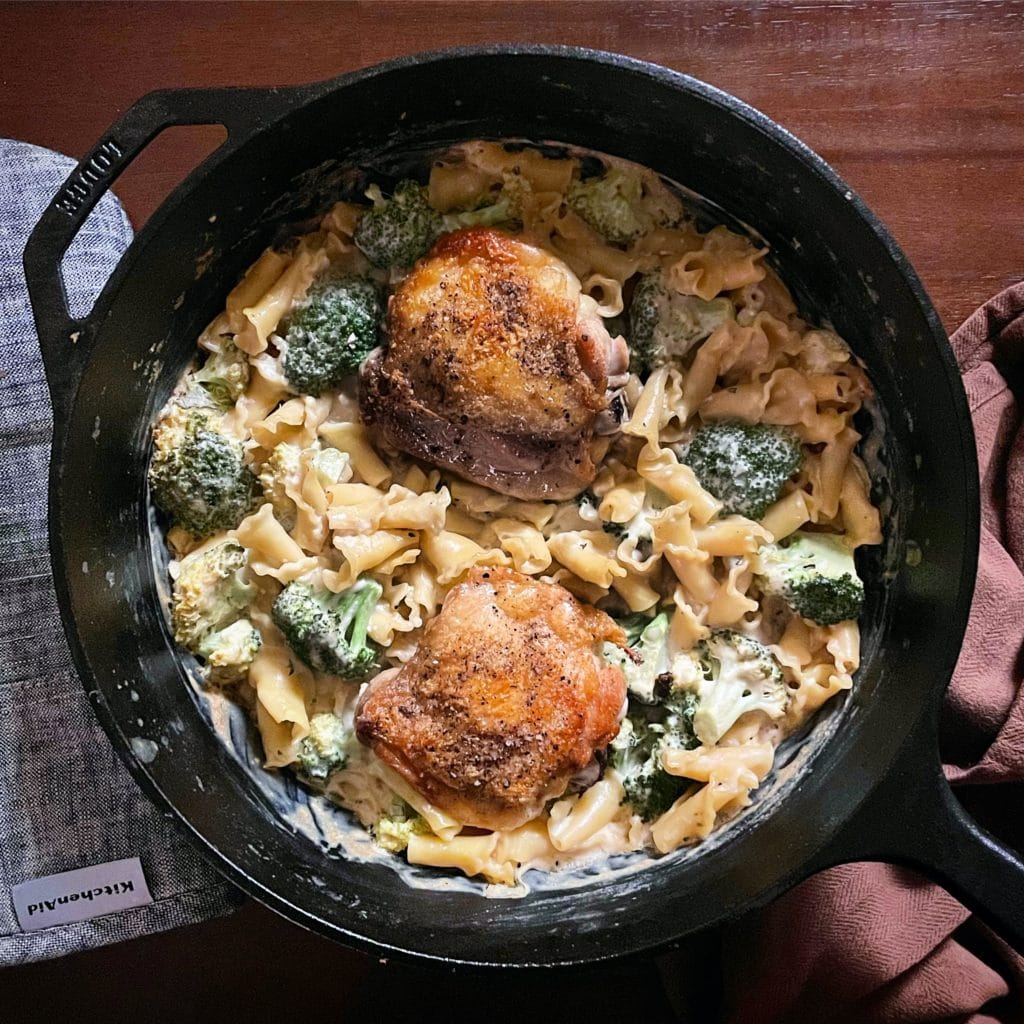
x=919, y=105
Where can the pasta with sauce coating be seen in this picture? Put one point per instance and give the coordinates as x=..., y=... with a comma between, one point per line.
x=638, y=531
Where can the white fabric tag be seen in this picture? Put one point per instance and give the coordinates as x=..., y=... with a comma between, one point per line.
x=81, y=894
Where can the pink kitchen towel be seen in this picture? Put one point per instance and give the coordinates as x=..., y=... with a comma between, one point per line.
x=877, y=944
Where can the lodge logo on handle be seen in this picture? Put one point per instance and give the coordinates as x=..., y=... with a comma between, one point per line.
x=81, y=894
x=89, y=177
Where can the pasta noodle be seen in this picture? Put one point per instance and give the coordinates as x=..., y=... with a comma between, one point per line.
x=272, y=551
x=724, y=261
x=282, y=690
x=572, y=823
x=728, y=774
x=266, y=312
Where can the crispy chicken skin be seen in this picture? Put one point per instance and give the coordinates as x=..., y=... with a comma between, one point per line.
x=496, y=367
x=505, y=699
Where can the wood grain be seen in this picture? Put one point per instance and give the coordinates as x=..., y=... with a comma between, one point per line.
x=919, y=105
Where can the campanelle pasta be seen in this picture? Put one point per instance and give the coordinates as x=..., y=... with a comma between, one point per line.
x=417, y=531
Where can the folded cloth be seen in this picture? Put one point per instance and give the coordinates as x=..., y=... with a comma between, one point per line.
x=871, y=943
x=66, y=801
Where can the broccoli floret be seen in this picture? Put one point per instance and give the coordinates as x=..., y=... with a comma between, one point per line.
x=280, y=473
x=680, y=707
x=664, y=324
x=743, y=465
x=210, y=592
x=198, y=475
x=230, y=651
x=330, y=333
x=330, y=465
x=635, y=753
x=208, y=598
x=730, y=674
x=393, y=833
x=610, y=204
x=502, y=211
x=324, y=749
x=815, y=575
x=328, y=631
x=516, y=192
x=224, y=375
x=660, y=717
x=651, y=647
x=396, y=232
x=822, y=351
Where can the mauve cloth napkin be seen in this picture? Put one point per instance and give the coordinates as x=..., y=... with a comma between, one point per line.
x=872, y=943
x=66, y=801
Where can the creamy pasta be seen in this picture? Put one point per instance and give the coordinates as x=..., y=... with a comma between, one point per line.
x=335, y=506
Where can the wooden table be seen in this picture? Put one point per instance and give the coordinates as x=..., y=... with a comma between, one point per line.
x=919, y=105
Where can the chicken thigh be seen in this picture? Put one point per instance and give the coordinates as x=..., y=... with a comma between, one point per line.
x=497, y=367
x=506, y=698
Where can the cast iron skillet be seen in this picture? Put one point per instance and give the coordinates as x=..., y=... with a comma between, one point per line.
x=875, y=790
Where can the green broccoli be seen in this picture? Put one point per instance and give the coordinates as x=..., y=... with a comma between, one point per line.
x=330, y=464
x=660, y=717
x=229, y=652
x=328, y=631
x=635, y=753
x=610, y=204
x=665, y=324
x=330, y=333
x=224, y=375
x=393, y=832
x=652, y=648
x=324, y=749
x=730, y=674
x=280, y=473
x=743, y=465
x=502, y=211
x=210, y=592
x=198, y=475
x=815, y=575
x=207, y=601
x=396, y=232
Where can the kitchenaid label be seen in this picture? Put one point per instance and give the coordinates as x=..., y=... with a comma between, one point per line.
x=81, y=894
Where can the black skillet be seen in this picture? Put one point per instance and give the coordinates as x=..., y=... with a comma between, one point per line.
x=873, y=790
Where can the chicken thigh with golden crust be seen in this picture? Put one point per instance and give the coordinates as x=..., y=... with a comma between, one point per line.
x=497, y=367
x=506, y=698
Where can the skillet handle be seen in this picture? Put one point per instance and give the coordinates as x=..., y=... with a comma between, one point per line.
x=914, y=819
x=64, y=341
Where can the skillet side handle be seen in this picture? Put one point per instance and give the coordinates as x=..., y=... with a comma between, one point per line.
x=64, y=341
x=913, y=819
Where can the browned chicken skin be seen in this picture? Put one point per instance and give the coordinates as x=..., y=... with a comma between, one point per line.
x=496, y=367
x=505, y=699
